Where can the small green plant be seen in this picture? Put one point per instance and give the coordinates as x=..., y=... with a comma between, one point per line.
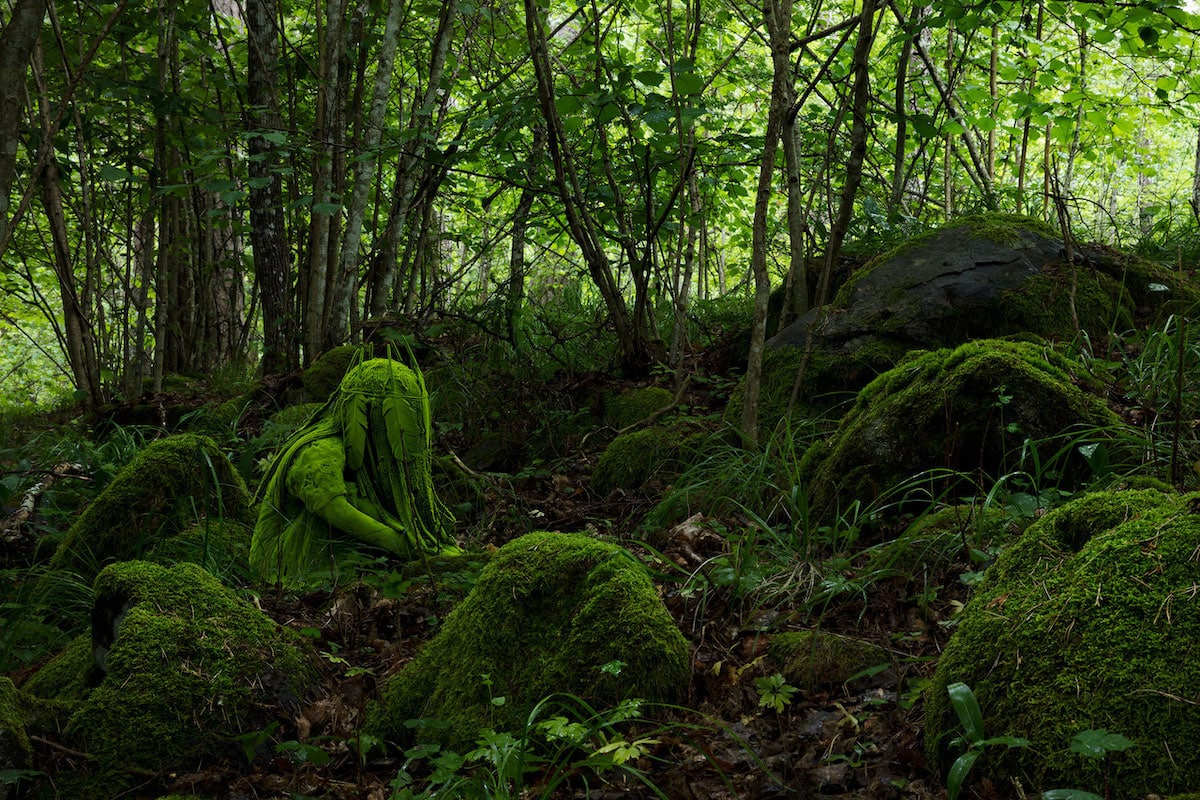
x=962, y=699
x=1094, y=743
x=774, y=692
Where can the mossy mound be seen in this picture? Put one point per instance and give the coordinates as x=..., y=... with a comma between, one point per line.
x=15, y=752
x=549, y=613
x=221, y=546
x=969, y=410
x=814, y=658
x=631, y=459
x=934, y=542
x=184, y=665
x=1089, y=621
x=218, y=420
x=322, y=376
x=163, y=490
x=633, y=406
x=61, y=685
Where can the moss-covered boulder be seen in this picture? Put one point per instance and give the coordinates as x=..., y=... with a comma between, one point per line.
x=633, y=406
x=979, y=277
x=814, y=658
x=15, y=752
x=167, y=487
x=1089, y=621
x=631, y=459
x=60, y=686
x=322, y=376
x=552, y=613
x=968, y=412
x=180, y=665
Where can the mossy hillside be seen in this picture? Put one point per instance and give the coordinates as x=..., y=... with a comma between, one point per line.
x=322, y=376
x=633, y=458
x=1088, y=621
x=186, y=666
x=969, y=410
x=633, y=406
x=15, y=751
x=165, y=488
x=549, y=612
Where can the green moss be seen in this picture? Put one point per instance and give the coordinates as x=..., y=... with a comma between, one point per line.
x=15, y=752
x=969, y=410
x=810, y=659
x=356, y=478
x=635, y=405
x=190, y=666
x=633, y=458
x=65, y=677
x=548, y=613
x=1089, y=621
x=1043, y=304
x=293, y=417
x=321, y=378
x=219, y=420
x=165, y=488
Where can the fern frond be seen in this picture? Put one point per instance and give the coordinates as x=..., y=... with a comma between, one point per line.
x=354, y=429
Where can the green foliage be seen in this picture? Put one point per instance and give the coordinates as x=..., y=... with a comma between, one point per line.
x=548, y=613
x=963, y=701
x=564, y=741
x=774, y=692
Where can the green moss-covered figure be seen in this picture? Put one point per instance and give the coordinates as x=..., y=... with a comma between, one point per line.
x=549, y=612
x=631, y=407
x=969, y=410
x=184, y=666
x=1089, y=621
x=809, y=659
x=633, y=458
x=164, y=489
x=358, y=476
x=15, y=752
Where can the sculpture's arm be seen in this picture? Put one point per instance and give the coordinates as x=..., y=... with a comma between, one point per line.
x=316, y=479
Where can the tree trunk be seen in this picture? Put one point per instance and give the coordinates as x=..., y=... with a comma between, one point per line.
x=778, y=18
x=268, y=236
x=16, y=47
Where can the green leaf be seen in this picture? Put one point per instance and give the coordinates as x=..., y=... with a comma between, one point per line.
x=967, y=708
x=354, y=429
x=1098, y=743
x=1069, y=794
x=959, y=771
x=649, y=77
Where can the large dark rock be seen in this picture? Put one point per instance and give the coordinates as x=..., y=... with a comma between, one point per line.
x=980, y=277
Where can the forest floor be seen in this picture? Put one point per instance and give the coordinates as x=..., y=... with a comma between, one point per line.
x=855, y=739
